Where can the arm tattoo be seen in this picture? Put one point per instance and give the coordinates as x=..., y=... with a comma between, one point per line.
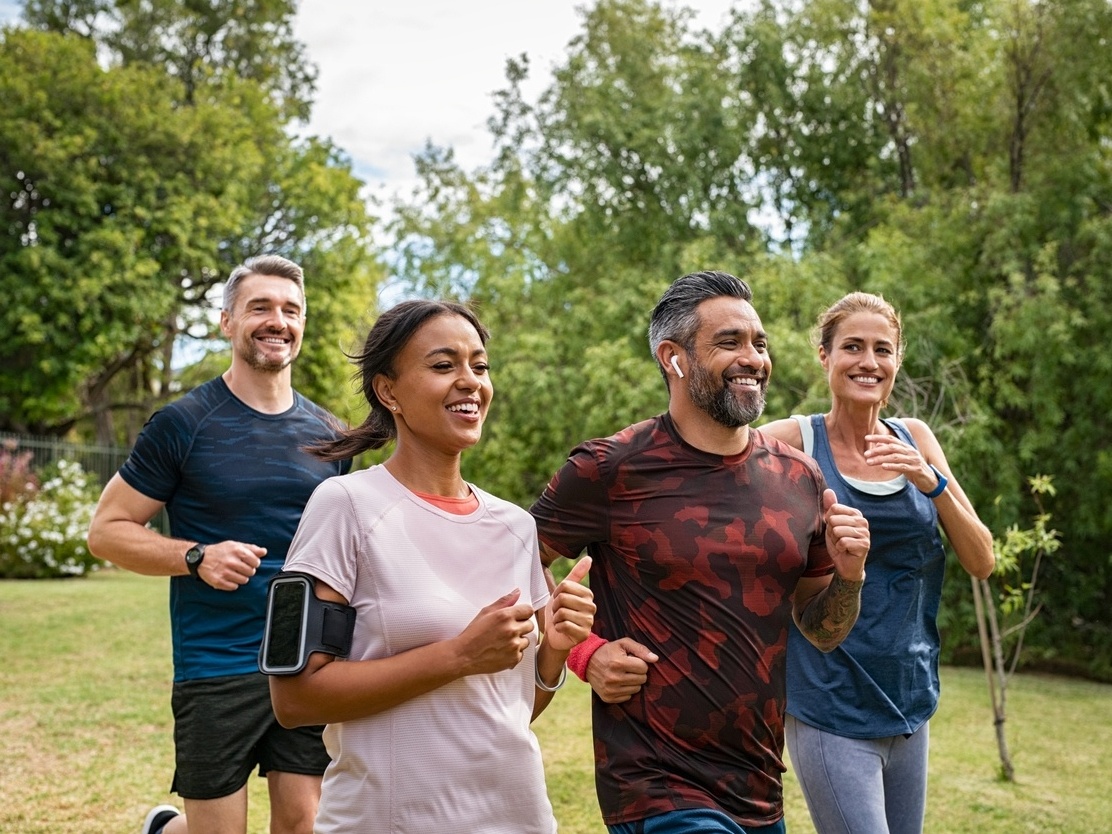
x=828, y=617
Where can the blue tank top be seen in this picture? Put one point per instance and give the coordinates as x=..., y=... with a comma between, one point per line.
x=883, y=679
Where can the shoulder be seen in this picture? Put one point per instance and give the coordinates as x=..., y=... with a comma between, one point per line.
x=508, y=513
x=365, y=494
x=920, y=432
x=500, y=505
x=315, y=412
x=195, y=405
x=772, y=451
x=609, y=452
x=786, y=431
x=184, y=417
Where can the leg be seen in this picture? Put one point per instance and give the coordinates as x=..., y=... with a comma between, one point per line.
x=293, y=802
x=841, y=779
x=217, y=725
x=293, y=762
x=226, y=815
x=905, y=782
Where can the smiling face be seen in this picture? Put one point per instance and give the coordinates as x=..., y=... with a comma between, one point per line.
x=266, y=322
x=441, y=390
x=862, y=360
x=729, y=368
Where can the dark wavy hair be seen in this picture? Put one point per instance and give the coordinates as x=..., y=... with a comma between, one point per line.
x=386, y=339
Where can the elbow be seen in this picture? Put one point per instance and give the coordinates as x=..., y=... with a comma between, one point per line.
x=96, y=541
x=985, y=563
x=287, y=708
x=287, y=717
x=985, y=568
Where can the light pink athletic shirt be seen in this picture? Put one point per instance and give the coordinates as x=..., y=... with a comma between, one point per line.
x=460, y=758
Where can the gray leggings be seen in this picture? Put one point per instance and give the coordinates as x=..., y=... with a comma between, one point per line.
x=861, y=785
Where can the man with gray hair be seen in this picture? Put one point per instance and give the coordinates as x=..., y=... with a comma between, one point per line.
x=226, y=462
x=707, y=539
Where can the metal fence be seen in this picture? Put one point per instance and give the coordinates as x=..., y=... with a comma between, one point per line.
x=101, y=461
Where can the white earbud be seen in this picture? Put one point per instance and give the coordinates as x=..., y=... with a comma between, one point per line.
x=676, y=365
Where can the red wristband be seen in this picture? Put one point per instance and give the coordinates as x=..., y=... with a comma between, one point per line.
x=581, y=653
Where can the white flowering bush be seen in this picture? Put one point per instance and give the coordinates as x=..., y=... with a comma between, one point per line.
x=42, y=530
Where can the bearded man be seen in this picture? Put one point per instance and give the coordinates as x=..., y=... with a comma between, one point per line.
x=707, y=538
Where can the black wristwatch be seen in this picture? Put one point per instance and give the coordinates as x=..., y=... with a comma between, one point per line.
x=193, y=558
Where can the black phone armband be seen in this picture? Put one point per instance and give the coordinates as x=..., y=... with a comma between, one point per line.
x=298, y=623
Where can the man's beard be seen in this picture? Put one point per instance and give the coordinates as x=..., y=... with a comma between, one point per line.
x=258, y=359
x=714, y=396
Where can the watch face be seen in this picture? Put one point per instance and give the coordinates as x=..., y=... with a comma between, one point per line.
x=193, y=558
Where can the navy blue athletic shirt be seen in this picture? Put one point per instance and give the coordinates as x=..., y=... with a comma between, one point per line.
x=226, y=471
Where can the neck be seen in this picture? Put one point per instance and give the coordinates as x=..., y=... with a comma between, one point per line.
x=420, y=469
x=848, y=425
x=265, y=391
x=698, y=429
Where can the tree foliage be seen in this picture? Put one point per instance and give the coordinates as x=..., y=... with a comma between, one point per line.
x=145, y=149
x=952, y=156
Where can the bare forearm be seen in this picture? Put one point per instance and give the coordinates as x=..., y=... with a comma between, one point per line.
x=336, y=691
x=119, y=533
x=827, y=618
x=970, y=538
x=550, y=669
x=137, y=548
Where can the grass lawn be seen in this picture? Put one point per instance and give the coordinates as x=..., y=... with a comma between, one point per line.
x=85, y=718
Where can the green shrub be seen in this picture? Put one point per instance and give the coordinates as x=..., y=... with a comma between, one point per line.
x=43, y=526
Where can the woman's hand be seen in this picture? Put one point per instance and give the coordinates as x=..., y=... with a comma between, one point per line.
x=498, y=636
x=901, y=458
x=570, y=612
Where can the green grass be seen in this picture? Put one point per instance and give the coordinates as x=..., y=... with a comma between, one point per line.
x=86, y=728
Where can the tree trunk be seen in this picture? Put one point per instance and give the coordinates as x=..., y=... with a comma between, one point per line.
x=992, y=654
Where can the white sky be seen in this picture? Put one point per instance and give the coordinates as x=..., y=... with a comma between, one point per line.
x=394, y=74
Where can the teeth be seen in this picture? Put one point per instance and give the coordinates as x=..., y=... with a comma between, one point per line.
x=748, y=381
x=468, y=408
x=871, y=379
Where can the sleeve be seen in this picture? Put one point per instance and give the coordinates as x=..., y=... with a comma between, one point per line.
x=154, y=465
x=538, y=582
x=326, y=544
x=572, y=512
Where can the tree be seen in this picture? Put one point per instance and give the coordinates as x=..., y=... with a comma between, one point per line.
x=951, y=156
x=139, y=184
x=1017, y=602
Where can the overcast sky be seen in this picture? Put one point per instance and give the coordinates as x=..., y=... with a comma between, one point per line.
x=394, y=74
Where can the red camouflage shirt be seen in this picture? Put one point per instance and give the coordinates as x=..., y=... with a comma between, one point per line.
x=695, y=556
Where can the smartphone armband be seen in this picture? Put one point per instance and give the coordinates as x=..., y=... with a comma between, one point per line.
x=298, y=623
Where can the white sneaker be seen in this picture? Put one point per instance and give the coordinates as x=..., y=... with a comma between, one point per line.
x=158, y=817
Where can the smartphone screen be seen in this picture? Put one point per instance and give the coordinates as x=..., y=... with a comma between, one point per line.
x=285, y=629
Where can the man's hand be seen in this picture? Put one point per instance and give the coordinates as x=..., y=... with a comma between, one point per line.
x=619, y=669
x=847, y=537
x=227, y=565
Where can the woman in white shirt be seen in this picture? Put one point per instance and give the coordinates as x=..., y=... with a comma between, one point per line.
x=458, y=643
